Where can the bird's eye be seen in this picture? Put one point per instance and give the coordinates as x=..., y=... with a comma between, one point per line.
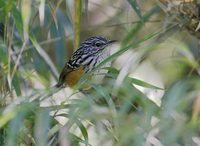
x=98, y=44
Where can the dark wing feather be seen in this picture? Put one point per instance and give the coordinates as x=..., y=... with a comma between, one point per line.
x=71, y=65
x=63, y=75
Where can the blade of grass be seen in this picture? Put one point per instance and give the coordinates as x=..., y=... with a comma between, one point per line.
x=76, y=140
x=18, y=20
x=114, y=73
x=104, y=93
x=137, y=27
x=143, y=84
x=82, y=128
x=18, y=59
x=41, y=127
x=77, y=22
x=5, y=118
x=85, y=13
x=14, y=129
x=42, y=11
x=26, y=15
x=44, y=55
x=17, y=122
x=136, y=7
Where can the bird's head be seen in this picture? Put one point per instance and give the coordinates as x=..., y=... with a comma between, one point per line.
x=96, y=44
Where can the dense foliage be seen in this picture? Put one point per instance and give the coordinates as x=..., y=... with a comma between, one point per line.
x=38, y=36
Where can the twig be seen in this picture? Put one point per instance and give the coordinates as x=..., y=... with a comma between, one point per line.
x=18, y=58
x=43, y=43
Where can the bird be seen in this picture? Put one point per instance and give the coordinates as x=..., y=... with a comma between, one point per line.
x=90, y=53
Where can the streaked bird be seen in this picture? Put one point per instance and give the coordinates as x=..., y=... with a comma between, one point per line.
x=90, y=53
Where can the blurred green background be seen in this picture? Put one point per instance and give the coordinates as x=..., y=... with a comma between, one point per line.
x=150, y=95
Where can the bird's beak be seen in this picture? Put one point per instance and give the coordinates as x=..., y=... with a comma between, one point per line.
x=112, y=41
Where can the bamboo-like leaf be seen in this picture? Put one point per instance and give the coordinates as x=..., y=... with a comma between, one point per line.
x=114, y=73
x=76, y=140
x=77, y=22
x=136, y=7
x=86, y=2
x=82, y=128
x=2, y=28
x=196, y=109
x=41, y=127
x=16, y=84
x=14, y=128
x=143, y=84
x=44, y=55
x=42, y=11
x=105, y=94
x=26, y=14
x=5, y=118
x=18, y=20
x=83, y=131
x=137, y=27
x=17, y=122
x=5, y=8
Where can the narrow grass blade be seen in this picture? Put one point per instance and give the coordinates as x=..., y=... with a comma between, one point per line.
x=44, y=55
x=137, y=27
x=26, y=15
x=143, y=84
x=41, y=127
x=136, y=7
x=42, y=11
x=113, y=72
x=77, y=22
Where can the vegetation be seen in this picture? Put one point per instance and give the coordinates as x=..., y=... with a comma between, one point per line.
x=38, y=36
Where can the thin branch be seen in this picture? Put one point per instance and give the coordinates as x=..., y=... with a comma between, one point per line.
x=43, y=43
x=124, y=23
x=18, y=58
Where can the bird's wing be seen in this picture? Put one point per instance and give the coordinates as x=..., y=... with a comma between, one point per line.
x=69, y=75
x=70, y=68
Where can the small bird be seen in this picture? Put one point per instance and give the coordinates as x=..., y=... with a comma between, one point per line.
x=90, y=53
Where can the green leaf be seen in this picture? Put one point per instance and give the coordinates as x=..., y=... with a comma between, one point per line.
x=5, y=8
x=44, y=56
x=26, y=15
x=76, y=140
x=16, y=83
x=14, y=128
x=136, y=7
x=137, y=27
x=5, y=118
x=83, y=130
x=114, y=73
x=143, y=84
x=42, y=127
x=77, y=22
x=18, y=20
